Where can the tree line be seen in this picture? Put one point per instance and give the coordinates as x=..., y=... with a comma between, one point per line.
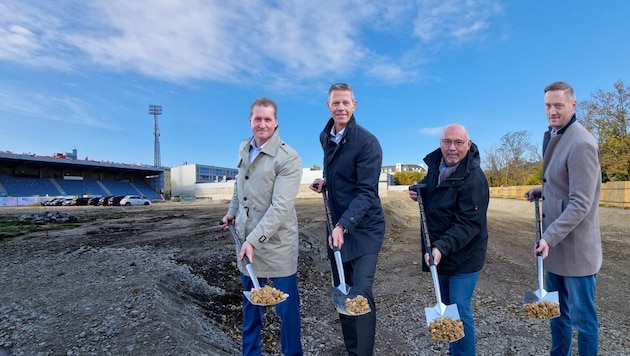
x=515, y=160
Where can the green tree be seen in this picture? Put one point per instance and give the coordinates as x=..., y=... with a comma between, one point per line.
x=606, y=116
x=406, y=178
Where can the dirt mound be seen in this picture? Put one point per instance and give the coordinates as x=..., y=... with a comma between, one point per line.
x=163, y=280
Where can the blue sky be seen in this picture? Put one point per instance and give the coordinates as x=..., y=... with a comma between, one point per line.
x=81, y=74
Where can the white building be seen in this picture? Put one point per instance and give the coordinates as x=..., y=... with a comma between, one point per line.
x=185, y=178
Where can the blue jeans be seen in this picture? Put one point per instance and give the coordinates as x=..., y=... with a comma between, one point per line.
x=458, y=289
x=288, y=311
x=577, y=309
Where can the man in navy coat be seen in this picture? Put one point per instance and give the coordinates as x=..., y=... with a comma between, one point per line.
x=352, y=166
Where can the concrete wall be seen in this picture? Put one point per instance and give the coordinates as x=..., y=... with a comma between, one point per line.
x=224, y=190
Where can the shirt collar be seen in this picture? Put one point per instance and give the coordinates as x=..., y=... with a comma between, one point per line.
x=336, y=137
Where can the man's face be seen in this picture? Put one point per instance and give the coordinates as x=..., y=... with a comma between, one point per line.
x=341, y=107
x=559, y=108
x=454, y=145
x=263, y=122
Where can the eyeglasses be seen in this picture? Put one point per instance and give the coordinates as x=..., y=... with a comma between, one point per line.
x=458, y=143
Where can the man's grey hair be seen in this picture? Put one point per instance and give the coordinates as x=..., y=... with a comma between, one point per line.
x=340, y=87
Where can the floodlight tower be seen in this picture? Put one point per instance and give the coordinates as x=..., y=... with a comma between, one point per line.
x=156, y=110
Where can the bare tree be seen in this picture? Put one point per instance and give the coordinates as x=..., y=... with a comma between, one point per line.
x=511, y=163
x=518, y=153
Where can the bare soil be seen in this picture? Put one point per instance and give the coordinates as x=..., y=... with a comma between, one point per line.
x=162, y=280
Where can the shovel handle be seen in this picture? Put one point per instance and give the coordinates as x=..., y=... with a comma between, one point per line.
x=423, y=221
x=248, y=265
x=234, y=234
x=336, y=251
x=538, y=221
x=329, y=218
x=427, y=243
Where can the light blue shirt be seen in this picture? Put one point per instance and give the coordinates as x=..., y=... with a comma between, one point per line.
x=336, y=137
x=253, y=150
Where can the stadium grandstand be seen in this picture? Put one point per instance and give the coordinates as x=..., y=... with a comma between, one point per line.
x=30, y=177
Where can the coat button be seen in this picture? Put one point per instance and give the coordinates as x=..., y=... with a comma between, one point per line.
x=246, y=177
x=245, y=198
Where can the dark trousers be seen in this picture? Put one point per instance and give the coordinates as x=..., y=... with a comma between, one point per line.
x=359, y=331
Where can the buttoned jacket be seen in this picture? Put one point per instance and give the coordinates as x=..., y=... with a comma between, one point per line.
x=352, y=169
x=264, y=206
x=570, y=191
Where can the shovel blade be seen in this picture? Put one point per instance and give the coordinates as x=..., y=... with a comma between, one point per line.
x=530, y=297
x=540, y=295
x=549, y=297
x=339, y=296
x=248, y=295
x=441, y=311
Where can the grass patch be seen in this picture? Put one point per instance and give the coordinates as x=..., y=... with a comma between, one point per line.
x=11, y=227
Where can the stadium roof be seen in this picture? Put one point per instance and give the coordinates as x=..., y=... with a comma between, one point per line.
x=60, y=161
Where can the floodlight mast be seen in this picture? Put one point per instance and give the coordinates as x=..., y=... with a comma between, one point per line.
x=156, y=110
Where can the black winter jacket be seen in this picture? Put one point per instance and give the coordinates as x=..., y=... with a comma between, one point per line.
x=352, y=171
x=456, y=213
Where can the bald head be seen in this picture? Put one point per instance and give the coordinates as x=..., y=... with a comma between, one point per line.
x=454, y=144
x=455, y=129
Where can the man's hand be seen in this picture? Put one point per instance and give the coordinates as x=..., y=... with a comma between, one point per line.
x=317, y=185
x=413, y=194
x=227, y=219
x=543, y=249
x=248, y=250
x=529, y=195
x=336, y=238
x=437, y=257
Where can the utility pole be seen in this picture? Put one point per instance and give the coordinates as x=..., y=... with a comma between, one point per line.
x=156, y=110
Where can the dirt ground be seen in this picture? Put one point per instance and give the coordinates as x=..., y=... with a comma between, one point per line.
x=162, y=280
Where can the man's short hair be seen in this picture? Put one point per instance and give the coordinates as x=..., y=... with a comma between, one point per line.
x=568, y=90
x=264, y=102
x=341, y=87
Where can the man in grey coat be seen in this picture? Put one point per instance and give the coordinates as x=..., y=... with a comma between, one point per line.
x=263, y=206
x=571, y=241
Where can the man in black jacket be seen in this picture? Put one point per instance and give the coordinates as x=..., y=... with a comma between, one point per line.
x=456, y=201
x=352, y=166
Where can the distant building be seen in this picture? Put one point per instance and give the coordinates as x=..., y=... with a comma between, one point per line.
x=400, y=167
x=184, y=178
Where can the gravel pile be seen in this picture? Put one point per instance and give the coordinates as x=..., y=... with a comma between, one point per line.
x=164, y=282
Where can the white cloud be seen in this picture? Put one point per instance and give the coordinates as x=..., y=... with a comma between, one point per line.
x=457, y=20
x=231, y=41
x=34, y=104
x=431, y=131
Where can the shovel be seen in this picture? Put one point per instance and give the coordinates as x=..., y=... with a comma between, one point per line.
x=540, y=295
x=248, y=266
x=440, y=310
x=342, y=292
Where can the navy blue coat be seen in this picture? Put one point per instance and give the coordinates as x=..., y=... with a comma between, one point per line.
x=352, y=171
x=456, y=213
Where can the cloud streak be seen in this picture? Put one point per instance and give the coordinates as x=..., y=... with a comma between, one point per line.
x=232, y=42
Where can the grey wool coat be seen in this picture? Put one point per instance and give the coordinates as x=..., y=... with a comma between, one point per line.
x=263, y=204
x=571, y=191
